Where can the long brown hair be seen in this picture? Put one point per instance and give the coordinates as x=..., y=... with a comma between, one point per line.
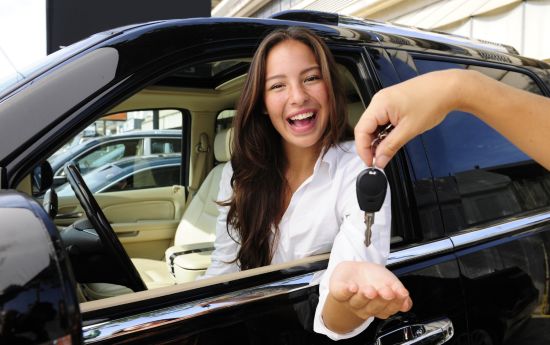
x=258, y=160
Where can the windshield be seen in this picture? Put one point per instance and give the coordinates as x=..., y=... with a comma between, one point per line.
x=11, y=82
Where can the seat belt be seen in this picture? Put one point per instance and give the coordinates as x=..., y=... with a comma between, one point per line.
x=199, y=167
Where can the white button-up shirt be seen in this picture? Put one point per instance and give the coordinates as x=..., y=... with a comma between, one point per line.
x=323, y=216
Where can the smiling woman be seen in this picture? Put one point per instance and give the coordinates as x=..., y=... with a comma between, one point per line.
x=294, y=168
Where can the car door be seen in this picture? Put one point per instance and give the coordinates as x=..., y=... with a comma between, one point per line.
x=422, y=256
x=493, y=201
x=496, y=214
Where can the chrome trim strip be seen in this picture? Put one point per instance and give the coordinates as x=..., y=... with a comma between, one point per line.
x=114, y=328
x=510, y=227
x=427, y=249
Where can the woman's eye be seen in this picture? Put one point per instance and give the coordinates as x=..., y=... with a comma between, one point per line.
x=276, y=86
x=312, y=78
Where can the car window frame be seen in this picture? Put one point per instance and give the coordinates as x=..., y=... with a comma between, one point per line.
x=266, y=273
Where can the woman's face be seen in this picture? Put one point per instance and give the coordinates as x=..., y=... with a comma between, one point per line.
x=296, y=96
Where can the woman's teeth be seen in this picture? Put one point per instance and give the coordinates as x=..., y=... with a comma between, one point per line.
x=302, y=116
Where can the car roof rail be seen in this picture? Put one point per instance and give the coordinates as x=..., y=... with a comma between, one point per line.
x=307, y=16
x=334, y=19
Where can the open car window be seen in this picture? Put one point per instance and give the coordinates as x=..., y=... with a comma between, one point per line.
x=168, y=237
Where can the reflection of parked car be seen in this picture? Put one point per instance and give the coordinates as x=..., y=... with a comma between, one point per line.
x=131, y=173
x=96, y=152
x=470, y=212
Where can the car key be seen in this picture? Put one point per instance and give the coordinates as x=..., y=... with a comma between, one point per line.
x=371, y=189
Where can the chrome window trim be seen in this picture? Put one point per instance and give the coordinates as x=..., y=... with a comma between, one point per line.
x=512, y=226
x=401, y=256
x=114, y=328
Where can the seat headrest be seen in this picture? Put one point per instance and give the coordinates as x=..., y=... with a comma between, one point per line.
x=222, y=145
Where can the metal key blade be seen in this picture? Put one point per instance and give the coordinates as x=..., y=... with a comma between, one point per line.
x=369, y=220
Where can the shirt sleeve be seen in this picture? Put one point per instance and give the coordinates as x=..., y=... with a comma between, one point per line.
x=225, y=247
x=349, y=243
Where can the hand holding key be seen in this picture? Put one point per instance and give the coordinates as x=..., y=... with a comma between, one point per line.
x=371, y=188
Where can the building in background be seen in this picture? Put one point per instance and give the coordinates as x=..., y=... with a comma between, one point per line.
x=68, y=21
x=523, y=25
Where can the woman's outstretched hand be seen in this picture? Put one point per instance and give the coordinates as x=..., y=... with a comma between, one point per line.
x=359, y=290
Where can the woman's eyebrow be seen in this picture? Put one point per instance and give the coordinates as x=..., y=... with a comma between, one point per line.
x=302, y=72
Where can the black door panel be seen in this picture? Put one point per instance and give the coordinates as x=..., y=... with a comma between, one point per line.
x=506, y=282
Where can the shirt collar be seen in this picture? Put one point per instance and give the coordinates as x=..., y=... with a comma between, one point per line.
x=327, y=162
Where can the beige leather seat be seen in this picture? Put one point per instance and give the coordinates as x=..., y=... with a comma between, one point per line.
x=194, y=240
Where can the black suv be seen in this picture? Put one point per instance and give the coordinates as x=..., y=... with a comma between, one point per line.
x=471, y=219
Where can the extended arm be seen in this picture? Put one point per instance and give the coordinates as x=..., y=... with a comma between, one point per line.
x=356, y=286
x=421, y=103
x=359, y=291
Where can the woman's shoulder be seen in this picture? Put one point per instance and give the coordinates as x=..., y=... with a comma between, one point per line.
x=344, y=156
x=344, y=152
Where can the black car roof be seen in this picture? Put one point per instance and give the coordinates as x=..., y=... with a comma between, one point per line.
x=197, y=35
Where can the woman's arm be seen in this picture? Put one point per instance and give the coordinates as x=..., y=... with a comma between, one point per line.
x=356, y=286
x=419, y=104
x=225, y=247
x=359, y=291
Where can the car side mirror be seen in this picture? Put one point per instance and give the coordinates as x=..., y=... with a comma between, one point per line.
x=50, y=203
x=42, y=178
x=37, y=289
x=59, y=180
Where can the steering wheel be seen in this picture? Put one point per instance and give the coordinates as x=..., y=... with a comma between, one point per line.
x=110, y=241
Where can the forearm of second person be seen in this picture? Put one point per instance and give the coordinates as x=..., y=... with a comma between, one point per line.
x=521, y=116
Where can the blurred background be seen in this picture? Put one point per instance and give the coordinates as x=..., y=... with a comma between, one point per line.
x=521, y=24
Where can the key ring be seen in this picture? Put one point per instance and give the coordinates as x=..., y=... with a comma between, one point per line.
x=382, y=134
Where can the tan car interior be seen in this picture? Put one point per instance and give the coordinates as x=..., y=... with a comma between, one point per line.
x=168, y=237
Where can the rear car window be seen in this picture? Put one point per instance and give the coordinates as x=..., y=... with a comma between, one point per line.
x=480, y=176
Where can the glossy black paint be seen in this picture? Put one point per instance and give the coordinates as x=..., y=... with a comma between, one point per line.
x=477, y=174
x=42, y=307
x=506, y=286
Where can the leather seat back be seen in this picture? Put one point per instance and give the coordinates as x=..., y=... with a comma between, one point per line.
x=198, y=223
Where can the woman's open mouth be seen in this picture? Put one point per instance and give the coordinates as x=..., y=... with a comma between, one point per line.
x=302, y=120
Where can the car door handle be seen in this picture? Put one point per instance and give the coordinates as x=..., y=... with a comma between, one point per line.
x=433, y=333
x=133, y=233
x=70, y=215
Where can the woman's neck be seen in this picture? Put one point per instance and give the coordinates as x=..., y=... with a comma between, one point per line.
x=300, y=164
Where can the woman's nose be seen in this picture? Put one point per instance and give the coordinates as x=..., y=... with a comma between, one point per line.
x=298, y=95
